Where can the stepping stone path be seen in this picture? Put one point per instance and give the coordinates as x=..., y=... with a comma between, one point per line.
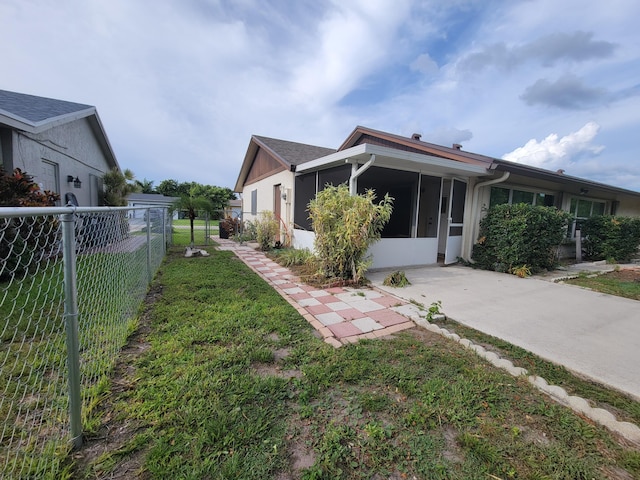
x=340, y=314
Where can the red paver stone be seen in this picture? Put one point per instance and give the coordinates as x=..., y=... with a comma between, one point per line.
x=351, y=314
x=328, y=299
x=387, y=318
x=346, y=329
x=336, y=290
x=318, y=309
x=387, y=301
x=300, y=296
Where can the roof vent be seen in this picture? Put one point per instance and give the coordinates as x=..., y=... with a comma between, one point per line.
x=560, y=171
x=457, y=146
x=416, y=136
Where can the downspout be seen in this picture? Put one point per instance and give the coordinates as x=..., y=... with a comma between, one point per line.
x=356, y=172
x=474, y=209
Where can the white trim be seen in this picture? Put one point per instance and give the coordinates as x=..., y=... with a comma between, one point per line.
x=388, y=157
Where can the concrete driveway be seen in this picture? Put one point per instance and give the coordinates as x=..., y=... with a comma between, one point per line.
x=592, y=334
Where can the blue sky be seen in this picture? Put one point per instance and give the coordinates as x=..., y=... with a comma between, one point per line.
x=182, y=85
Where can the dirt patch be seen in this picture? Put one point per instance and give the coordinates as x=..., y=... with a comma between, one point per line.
x=631, y=274
x=114, y=434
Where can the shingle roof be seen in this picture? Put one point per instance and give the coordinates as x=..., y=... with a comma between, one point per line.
x=35, y=109
x=292, y=152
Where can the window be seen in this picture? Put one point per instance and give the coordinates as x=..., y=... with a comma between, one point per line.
x=501, y=195
x=583, y=208
x=254, y=202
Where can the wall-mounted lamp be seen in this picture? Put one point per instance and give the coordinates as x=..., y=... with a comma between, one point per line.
x=584, y=191
x=76, y=181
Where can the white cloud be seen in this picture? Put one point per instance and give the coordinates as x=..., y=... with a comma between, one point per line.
x=354, y=39
x=553, y=152
x=424, y=64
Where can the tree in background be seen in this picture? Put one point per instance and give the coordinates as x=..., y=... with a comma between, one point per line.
x=145, y=186
x=218, y=196
x=171, y=188
x=117, y=186
x=193, y=206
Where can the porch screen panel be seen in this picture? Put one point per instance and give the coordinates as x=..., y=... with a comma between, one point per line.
x=334, y=176
x=403, y=187
x=457, y=208
x=305, y=190
x=429, y=208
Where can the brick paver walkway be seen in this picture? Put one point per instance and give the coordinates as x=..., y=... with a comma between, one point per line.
x=342, y=314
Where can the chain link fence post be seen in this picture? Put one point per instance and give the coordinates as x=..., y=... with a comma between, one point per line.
x=71, y=327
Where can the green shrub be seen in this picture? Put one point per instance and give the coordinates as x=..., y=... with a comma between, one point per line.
x=513, y=236
x=609, y=237
x=295, y=256
x=24, y=241
x=345, y=226
x=267, y=228
x=248, y=232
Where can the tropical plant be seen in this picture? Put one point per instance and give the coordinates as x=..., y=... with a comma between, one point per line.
x=117, y=186
x=345, y=227
x=23, y=241
x=145, y=186
x=267, y=229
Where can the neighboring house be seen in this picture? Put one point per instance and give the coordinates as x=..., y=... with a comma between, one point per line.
x=440, y=193
x=233, y=209
x=149, y=200
x=62, y=145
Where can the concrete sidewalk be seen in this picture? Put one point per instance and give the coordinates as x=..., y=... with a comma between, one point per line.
x=591, y=334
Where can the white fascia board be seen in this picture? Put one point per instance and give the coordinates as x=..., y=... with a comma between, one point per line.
x=334, y=158
x=416, y=161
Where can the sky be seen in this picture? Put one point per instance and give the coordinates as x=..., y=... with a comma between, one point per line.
x=181, y=85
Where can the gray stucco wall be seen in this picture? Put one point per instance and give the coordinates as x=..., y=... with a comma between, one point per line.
x=69, y=149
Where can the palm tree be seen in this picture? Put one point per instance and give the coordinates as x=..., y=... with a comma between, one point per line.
x=146, y=186
x=193, y=205
x=117, y=186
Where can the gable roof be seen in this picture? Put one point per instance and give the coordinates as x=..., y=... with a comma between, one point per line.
x=415, y=145
x=571, y=183
x=288, y=154
x=33, y=114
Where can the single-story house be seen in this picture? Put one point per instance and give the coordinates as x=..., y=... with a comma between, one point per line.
x=233, y=208
x=149, y=200
x=62, y=145
x=441, y=193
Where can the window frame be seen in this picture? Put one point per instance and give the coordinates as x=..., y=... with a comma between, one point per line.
x=536, y=195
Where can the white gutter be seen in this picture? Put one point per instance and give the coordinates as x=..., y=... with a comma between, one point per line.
x=356, y=172
x=474, y=210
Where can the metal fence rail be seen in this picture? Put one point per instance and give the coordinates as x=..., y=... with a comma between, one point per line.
x=71, y=282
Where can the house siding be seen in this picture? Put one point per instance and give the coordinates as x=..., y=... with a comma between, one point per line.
x=72, y=148
x=264, y=165
x=265, y=197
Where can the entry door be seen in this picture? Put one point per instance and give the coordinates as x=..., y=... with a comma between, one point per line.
x=457, y=196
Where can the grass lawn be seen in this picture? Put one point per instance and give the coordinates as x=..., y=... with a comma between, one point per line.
x=184, y=222
x=623, y=283
x=226, y=380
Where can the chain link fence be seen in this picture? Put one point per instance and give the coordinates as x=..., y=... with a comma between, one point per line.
x=71, y=283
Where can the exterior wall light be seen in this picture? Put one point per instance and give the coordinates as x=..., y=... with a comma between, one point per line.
x=76, y=181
